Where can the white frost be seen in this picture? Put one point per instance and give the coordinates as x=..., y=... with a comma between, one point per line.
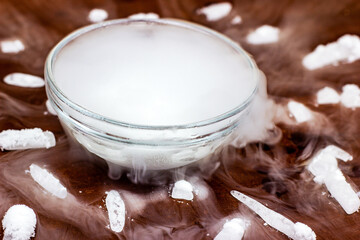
x=19, y=223
x=182, y=190
x=324, y=167
x=116, y=210
x=232, y=230
x=12, y=46
x=97, y=15
x=144, y=16
x=26, y=139
x=327, y=95
x=50, y=109
x=346, y=49
x=24, y=80
x=264, y=35
x=236, y=20
x=350, y=96
x=48, y=181
x=297, y=231
x=216, y=11
x=299, y=111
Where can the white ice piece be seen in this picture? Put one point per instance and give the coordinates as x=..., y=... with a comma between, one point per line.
x=297, y=231
x=324, y=162
x=327, y=95
x=201, y=191
x=19, y=223
x=46, y=180
x=232, y=230
x=338, y=153
x=24, y=80
x=50, y=109
x=116, y=210
x=12, y=46
x=97, y=15
x=264, y=35
x=26, y=139
x=324, y=167
x=216, y=11
x=182, y=190
x=236, y=20
x=299, y=112
x=350, y=97
x=144, y=16
x=345, y=50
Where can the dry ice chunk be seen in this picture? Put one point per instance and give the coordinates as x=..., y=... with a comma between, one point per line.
x=232, y=230
x=24, y=80
x=97, y=15
x=116, y=210
x=324, y=167
x=350, y=97
x=46, y=180
x=346, y=49
x=49, y=108
x=19, y=223
x=26, y=139
x=144, y=16
x=216, y=11
x=327, y=95
x=297, y=231
x=299, y=112
x=236, y=20
x=182, y=190
x=12, y=46
x=264, y=35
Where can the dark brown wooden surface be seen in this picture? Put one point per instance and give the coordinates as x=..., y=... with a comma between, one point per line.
x=40, y=24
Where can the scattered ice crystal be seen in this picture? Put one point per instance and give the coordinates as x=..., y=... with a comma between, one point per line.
x=97, y=15
x=24, y=80
x=264, y=35
x=182, y=190
x=342, y=191
x=299, y=111
x=350, y=96
x=324, y=162
x=50, y=109
x=297, y=231
x=144, y=16
x=232, y=230
x=303, y=231
x=12, y=46
x=26, y=139
x=236, y=20
x=116, y=210
x=201, y=191
x=48, y=181
x=338, y=153
x=19, y=223
x=345, y=50
x=327, y=95
x=216, y=11
x=324, y=167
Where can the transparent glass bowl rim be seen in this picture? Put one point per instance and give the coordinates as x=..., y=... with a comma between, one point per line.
x=50, y=79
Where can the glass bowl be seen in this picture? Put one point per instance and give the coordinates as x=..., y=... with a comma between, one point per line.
x=144, y=146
